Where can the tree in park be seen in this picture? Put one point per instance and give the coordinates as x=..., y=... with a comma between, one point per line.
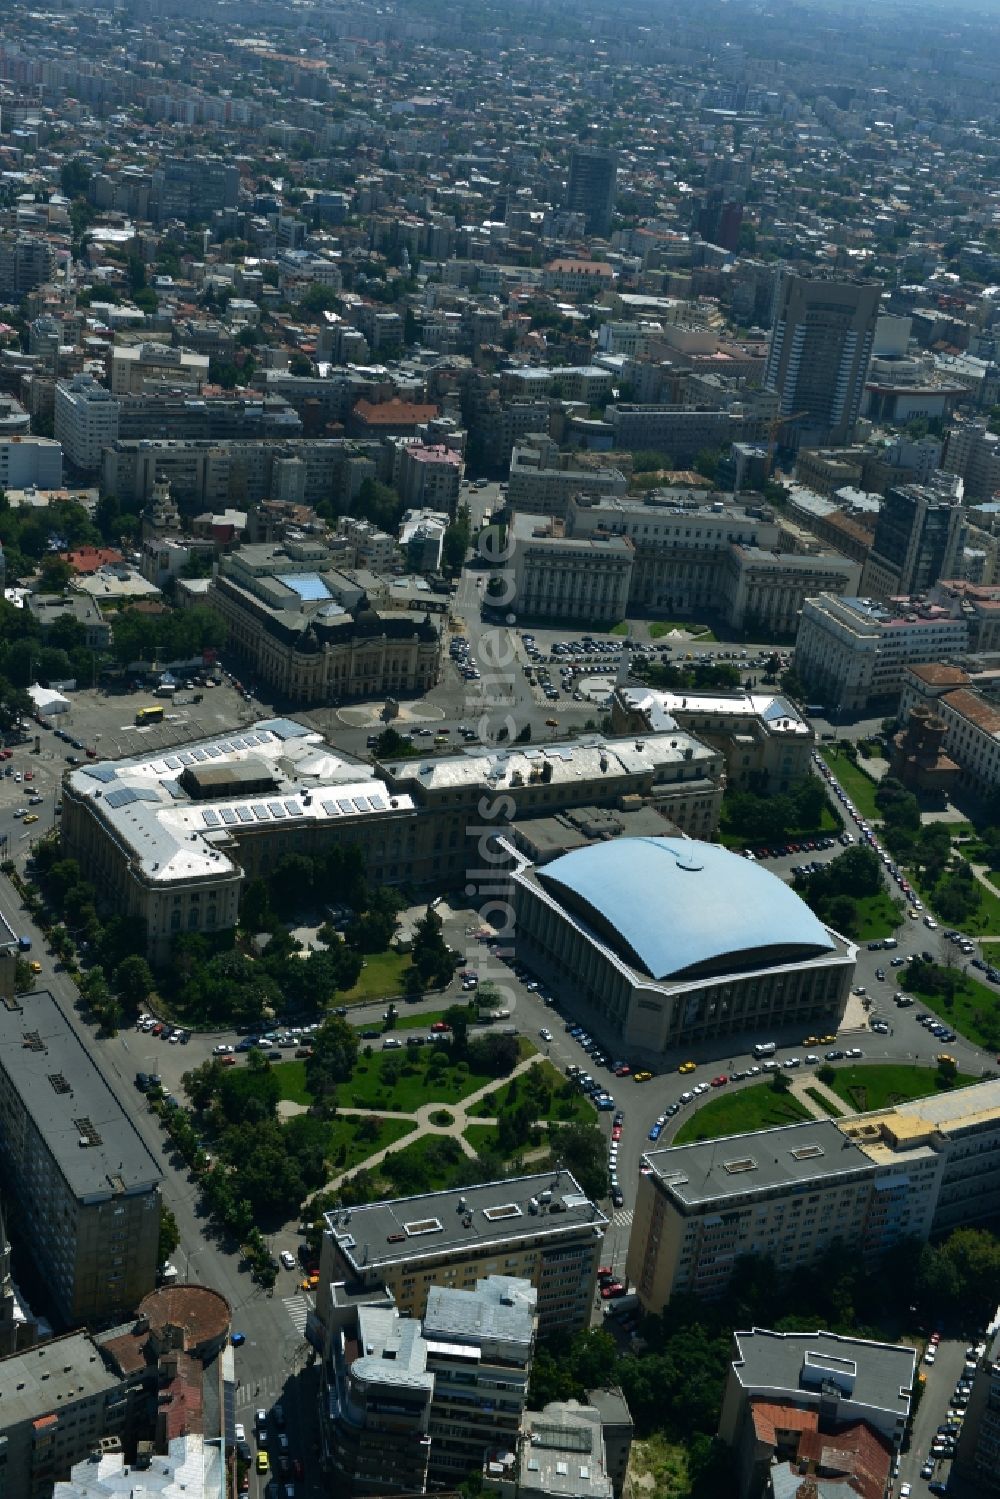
x=334, y=1054
x=133, y=980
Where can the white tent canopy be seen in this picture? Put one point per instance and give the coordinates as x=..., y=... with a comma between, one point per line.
x=48, y=701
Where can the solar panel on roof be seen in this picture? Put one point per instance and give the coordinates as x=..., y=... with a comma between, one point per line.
x=293, y=809
x=244, y=814
x=228, y=816
x=378, y=803
x=186, y=757
x=212, y=751
x=199, y=755
x=276, y=809
x=287, y=728
x=225, y=747
x=361, y=802
x=345, y=805
x=174, y=790
x=331, y=809
x=173, y=762
x=100, y=772
x=259, y=811
x=211, y=818
x=251, y=741
x=239, y=744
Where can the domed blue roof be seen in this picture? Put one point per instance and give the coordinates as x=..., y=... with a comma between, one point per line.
x=680, y=909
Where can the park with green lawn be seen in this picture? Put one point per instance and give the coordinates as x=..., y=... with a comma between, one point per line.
x=971, y=1008
x=552, y=1096
x=399, y=1082
x=760, y=1106
x=872, y=1086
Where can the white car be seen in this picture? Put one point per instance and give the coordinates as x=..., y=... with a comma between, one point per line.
x=905, y=1491
x=288, y=1259
x=240, y=1431
x=222, y=1050
x=545, y=1034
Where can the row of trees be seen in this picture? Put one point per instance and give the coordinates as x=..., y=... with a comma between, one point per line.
x=773, y=819
x=927, y=849
x=834, y=891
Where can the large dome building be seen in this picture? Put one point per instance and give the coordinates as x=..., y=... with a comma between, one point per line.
x=666, y=942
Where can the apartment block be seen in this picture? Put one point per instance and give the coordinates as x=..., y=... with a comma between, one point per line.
x=430, y=476
x=814, y=1402
x=86, y=1187
x=59, y=1401
x=26, y=261
x=377, y=1402
x=542, y=1229
x=819, y=353
x=972, y=452
x=590, y=189
x=851, y=652
x=85, y=422
x=918, y=539
x=920, y=1168
x=584, y=579
x=136, y=368
x=677, y=431
x=30, y=463
x=971, y=737
x=480, y=1345
x=977, y=1461
x=543, y=481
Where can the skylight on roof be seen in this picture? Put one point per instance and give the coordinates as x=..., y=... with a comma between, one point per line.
x=745, y=1163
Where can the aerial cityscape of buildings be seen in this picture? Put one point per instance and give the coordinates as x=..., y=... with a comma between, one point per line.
x=499, y=514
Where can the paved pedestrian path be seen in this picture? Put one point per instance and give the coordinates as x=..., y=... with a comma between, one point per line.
x=423, y=1125
x=806, y=1081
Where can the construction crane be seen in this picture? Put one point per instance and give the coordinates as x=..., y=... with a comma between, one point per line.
x=772, y=434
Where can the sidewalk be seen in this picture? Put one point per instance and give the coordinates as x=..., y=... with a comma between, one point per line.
x=799, y=1085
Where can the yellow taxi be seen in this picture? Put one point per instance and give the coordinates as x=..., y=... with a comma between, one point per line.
x=945, y=1059
x=642, y=1077
x=263, y=1462
x=827, y=1040
x=31, y=817
x=811, y=1041
x=686, y=1067
x=36, y=967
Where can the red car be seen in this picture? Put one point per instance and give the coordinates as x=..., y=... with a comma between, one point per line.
x=622, y=1071
x=605, y=1272
x=440, y=1025
x=720, y=1081
x=29, y=775
x=158, y=1029
x=935, y=1338
x=616, y=1132
x=609, y=1293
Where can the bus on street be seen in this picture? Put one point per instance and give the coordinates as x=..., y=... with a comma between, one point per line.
x=153, y=714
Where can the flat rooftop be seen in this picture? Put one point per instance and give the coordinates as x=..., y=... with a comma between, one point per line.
x=50, y=1378
x=172, y=836
x=435, y=1224
x=93, y=1141
x=794, y=1155
x=590, y=758
x=776, y=712
x=878, y=1375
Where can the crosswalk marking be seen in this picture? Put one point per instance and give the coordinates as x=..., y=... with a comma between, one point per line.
x=298, y=1308
x=622, y=1218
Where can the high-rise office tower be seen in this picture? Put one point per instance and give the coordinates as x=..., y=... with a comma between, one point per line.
x=591, y=186
x=918, y=540
x=820, y=349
